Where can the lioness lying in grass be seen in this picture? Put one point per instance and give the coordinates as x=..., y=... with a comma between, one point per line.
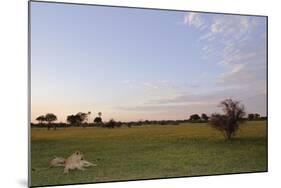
x=74, y=161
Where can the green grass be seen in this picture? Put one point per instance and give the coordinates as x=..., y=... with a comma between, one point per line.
x=148, y=152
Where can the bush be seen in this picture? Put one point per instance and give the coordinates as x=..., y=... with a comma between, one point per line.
x=111, y=124
x=228, y=123
x=194, y=118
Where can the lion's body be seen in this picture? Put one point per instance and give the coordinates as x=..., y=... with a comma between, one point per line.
x=74, y=161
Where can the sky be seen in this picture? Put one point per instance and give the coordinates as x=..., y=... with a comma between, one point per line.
x=143, y=64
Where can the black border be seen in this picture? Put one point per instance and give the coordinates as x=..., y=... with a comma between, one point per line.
x=132, y=7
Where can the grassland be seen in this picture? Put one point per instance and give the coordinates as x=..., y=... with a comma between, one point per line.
x=151, y=151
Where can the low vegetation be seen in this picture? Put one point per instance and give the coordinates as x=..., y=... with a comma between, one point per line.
x=149, y=151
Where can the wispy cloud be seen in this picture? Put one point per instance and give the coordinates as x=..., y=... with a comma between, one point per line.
x=150, y=85
x=236, y=41
x=211, y=97
x=193, y=19
x=176, y=111
x=202, y=102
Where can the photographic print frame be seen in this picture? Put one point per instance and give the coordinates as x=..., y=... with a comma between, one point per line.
x=147, y=84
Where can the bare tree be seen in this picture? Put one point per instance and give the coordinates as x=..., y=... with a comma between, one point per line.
x=228, y=123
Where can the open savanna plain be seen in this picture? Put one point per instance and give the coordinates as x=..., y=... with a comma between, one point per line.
x=148, y=151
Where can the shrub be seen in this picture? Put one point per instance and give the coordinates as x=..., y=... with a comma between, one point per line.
x=228, y=123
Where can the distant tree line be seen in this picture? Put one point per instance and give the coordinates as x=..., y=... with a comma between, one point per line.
x=228, y=122
x=256, y=117
x=79, y=120
x=82, y=119
x=195, y=118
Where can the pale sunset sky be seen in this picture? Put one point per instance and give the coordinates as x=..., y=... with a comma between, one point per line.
x=137, y=64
